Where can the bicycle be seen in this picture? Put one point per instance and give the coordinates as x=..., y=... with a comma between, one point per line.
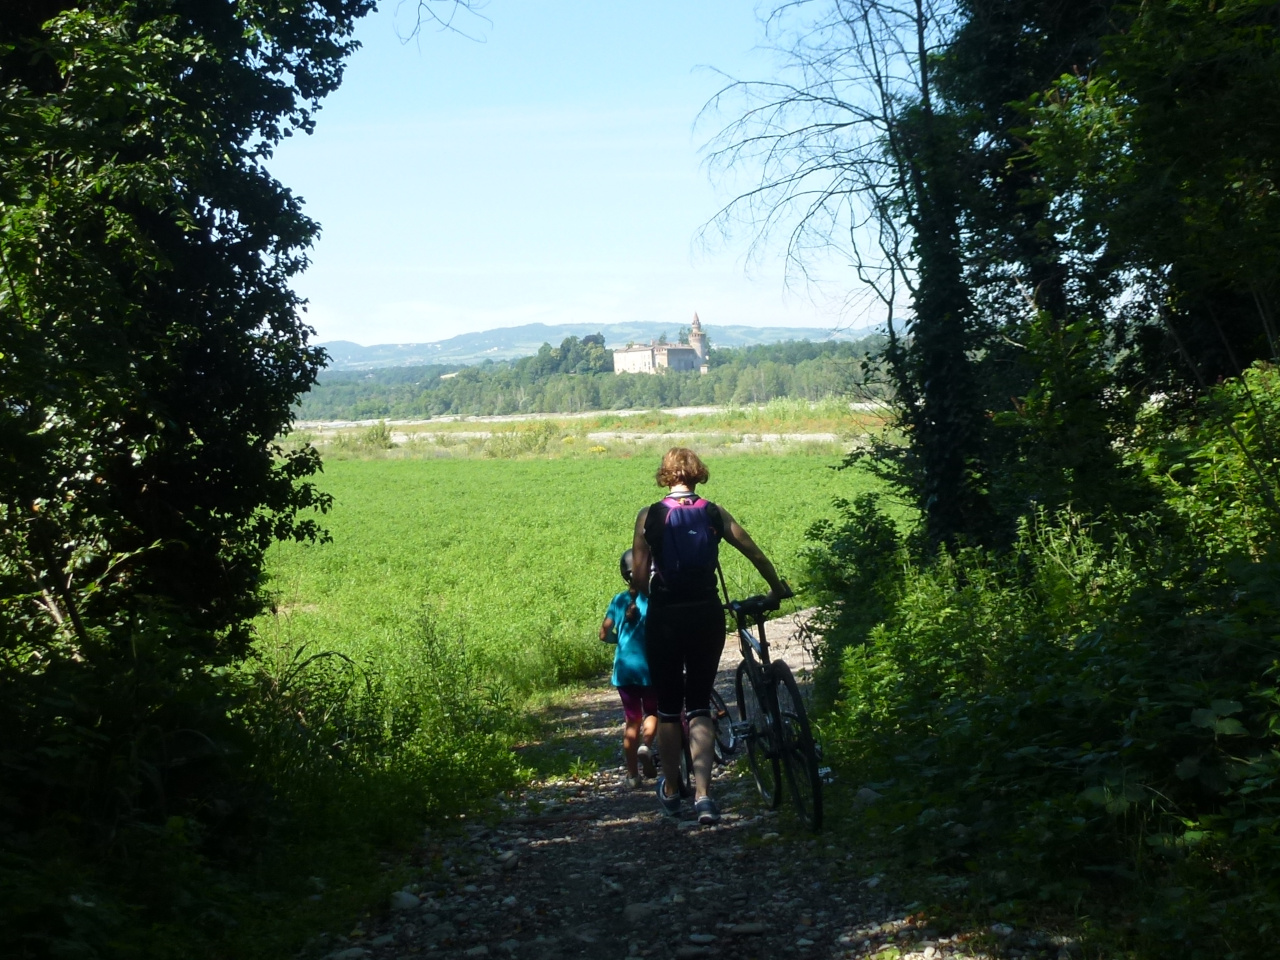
x=772, y=718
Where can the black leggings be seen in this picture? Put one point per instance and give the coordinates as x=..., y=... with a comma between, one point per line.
x=683, y=643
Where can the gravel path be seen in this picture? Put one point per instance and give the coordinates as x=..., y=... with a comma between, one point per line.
x=586, y=868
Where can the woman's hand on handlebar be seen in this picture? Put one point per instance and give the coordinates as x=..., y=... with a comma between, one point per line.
x=777, y=594
x=762, y=602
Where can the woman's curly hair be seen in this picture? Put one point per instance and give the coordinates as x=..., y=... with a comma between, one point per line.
x=681, y=465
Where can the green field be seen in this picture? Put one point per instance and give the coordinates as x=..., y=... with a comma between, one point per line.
x=512, y=560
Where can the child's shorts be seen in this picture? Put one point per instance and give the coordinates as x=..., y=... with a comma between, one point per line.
x=638, y=702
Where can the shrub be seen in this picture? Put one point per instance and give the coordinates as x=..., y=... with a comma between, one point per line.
x=1096, y=705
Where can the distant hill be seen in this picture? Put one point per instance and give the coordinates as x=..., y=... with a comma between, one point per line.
x=510, y=343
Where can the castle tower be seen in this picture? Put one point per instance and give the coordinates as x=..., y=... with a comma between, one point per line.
x=698, y=339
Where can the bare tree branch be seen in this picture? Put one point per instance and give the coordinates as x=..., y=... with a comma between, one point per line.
x=823, y=141
x=447, y=15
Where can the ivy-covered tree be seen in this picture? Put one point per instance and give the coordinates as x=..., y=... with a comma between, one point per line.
x=858, y=151
x=151, y=351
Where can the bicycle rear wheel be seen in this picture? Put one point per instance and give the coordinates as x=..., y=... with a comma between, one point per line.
x=762, y=750
x=799, y=755
x=726, y=744
x=681, y=773
x=687, y=783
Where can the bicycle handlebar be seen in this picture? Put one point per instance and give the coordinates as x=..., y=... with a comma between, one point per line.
x=753, y=606
x=759, y=604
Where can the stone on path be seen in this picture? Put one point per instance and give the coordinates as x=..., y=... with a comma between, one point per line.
x=404, y=900
x=637, y=913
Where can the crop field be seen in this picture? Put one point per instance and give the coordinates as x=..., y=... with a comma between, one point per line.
x=509, y=563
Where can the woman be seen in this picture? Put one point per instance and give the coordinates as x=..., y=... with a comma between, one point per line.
x=675, y=555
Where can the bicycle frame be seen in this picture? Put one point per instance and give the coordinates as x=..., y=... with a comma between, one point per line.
x=751, y=647
x=772, y=719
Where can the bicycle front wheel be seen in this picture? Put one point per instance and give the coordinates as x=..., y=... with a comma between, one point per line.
x=799, y=755
x=762, y=749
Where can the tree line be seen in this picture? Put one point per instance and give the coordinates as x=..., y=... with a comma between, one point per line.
x=578, y=376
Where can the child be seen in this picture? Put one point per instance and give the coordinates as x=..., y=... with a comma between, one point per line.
x=624, y=625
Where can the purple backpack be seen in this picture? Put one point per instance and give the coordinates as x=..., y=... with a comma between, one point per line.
x=684, y=533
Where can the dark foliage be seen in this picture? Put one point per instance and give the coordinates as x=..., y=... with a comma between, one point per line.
x=150, y=355
x=1073, y=704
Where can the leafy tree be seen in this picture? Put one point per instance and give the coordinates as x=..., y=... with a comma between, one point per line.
x=1189, y=224
x=150, y=353
x=895, y=137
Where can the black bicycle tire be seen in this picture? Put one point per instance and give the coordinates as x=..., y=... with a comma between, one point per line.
x=725, y=743
x=799, y=755
x=683, y=777
x=762, y=755
x=688, y=786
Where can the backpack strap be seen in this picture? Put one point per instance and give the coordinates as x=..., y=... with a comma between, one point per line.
x=654, y=522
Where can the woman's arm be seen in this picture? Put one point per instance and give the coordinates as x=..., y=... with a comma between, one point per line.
x=640, y=558
x=741, y=540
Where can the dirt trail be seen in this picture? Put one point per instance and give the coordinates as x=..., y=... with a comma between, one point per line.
x=583, y=867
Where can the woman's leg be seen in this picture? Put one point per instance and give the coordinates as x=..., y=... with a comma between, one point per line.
x=650, y=728
x=702, y=736
x=669, y=736
x=705, y=625
x=664, y=650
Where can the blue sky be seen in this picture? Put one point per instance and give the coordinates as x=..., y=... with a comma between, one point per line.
x=548, y=171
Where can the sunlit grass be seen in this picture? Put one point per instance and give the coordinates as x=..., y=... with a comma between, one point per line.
x=514, y=560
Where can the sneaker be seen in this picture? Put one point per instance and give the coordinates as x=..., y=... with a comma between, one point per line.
x=707, y=811
x=633, y=783
x=670, y=805
x=647, y=766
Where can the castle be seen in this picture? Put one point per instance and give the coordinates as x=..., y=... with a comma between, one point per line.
x=654, y=357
